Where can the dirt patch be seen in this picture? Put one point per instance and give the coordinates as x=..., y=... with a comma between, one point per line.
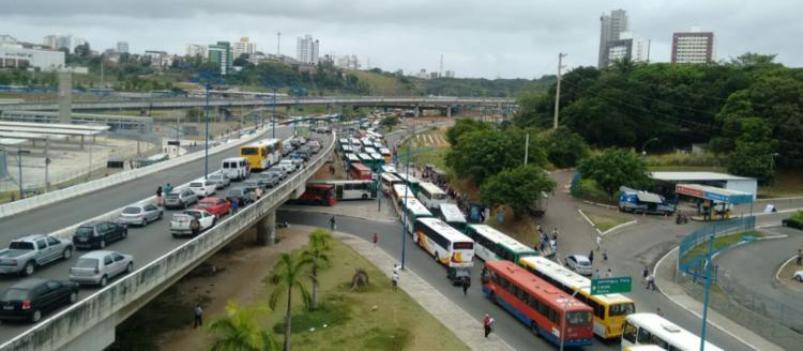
x=786, y=274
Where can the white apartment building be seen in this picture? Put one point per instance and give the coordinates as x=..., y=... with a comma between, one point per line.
x=693, y=46
x=14, y=55
x=244, y=46
x=307, y=49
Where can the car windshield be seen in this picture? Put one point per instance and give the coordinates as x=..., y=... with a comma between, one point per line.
x=86, y=263
x=235, y=192
x=15, y=294
x=583, y=262
x=131, y=210
x=21, y=245
x=195, y=214
x=84, y=231
x=196, y=185
x=578, y=318
x=622, y=309
x=172, y=195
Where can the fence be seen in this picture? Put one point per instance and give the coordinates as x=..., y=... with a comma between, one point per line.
x=695, y=264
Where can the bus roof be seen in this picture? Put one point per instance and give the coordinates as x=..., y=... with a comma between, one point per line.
x=340, y=181
x=353, y=157
x=445, y=229
x=569, y=278
x=369, y=150
x=451, y=213
x=498, y=237
x=364, y=156
x=431, y=188
x=416, y=208
x=384, y=151
x=644, y=348
x=667, y=330
x=343, y=141
x=360, y=167
x=399, y=189
x=377, y=156
x=408, y=178
x=536, y=286
x=390, y=178
x=389, y=169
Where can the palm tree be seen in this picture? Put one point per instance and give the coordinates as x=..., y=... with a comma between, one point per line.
x=320, y=244
x=239, y=330
x=287, y=275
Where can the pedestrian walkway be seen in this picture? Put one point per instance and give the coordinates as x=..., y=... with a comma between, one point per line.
x=664, y=272
x=462, y=324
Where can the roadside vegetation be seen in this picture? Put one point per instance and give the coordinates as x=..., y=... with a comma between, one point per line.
x=720, y=243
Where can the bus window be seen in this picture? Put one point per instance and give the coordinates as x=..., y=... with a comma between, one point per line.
x=629, y=332
x=622, y=309
x=578, y=318
x=248, y=151
x=644, y=336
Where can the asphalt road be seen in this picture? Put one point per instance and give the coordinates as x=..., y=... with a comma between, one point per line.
x=145, y=244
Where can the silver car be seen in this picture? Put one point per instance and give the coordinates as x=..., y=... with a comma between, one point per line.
x=98, y=267
x=180, y=198
x=140, y=214
x=220, y=180
x=579, y=263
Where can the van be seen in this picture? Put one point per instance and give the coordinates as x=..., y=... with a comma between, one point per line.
x=235, y=168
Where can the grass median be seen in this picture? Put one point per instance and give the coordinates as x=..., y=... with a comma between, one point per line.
x=606, y=221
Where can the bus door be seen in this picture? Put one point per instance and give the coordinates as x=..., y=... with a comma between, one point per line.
x=339, y=192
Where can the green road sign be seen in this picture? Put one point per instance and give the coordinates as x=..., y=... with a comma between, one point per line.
x=611, y=285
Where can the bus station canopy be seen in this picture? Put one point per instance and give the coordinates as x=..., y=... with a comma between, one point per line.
x=706, y=192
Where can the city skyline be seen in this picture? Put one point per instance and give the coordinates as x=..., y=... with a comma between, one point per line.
x=519, y=40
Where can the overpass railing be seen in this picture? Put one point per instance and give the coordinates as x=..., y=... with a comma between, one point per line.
x=694, y=264
x=69, y=324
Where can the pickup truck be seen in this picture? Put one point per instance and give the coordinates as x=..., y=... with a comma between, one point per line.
x=182, y=223
x=25, y=254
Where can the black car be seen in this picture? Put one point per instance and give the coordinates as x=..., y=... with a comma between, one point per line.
x=98, y=234
x=245, y=195
x=31, y=298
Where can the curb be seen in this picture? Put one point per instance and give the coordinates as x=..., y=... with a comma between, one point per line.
x=626, y=224
x=778, y=272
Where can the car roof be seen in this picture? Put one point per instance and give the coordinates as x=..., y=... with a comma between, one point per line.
x=580, y=258
x=32, y=237
x=96, y=254
x=29, y=283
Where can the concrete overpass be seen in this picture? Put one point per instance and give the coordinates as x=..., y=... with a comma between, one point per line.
x=90, y=323
x=443, y=103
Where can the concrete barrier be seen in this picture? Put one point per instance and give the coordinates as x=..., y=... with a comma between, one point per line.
x=34, y=202
x=111, y=302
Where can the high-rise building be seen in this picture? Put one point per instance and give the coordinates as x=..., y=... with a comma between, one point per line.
x=122, y=47
x=611, y=26
x=348, y=62
x=58, y=42
x=220, y=54
x=244, y=46
x=448, y=73
x=628, y=46
x=693, y=46
x=307, y=49
x=195, y=50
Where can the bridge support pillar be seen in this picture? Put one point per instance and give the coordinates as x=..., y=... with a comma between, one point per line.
x=417, y=111
x=449, y=111
x=266, y=229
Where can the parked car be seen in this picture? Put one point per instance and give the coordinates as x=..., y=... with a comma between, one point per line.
x=183, y=223
x=214, y=205
x=244, y=194
x=31, y=298
x=271, y=178
x=26, y=254
x=180, y=198
x=579, y=263
x=798, y=276
x=220, y=180
x=98, y=234
x=202, y=187
x=97, y=267
x=140, y=214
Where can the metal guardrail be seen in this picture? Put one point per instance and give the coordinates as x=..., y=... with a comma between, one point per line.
x=694, y=265
x=58, y=330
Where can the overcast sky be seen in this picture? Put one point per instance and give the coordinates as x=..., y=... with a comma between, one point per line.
x=477, y=38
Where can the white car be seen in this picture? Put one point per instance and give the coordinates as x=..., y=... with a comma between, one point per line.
x=798, y=276
x=97, y=267
x=182, y=223
x=288, y=167
x=203, y=187
x=579, y=263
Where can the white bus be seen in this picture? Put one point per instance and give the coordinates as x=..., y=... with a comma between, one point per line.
x=386, y=154
x=388, y=180
x=369, y=150
x=491, y=244
x=431, y=195
x=401, y=191
x=351, y=189
x=274, y=148
x=411, y=211
x=388, y=169
x=448, y=246
x=652, y=329
x=452, y=215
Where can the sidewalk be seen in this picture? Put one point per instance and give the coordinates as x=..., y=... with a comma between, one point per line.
x=464, y=326
x=664, y=273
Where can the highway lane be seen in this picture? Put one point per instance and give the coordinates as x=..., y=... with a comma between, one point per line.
x=145, y=244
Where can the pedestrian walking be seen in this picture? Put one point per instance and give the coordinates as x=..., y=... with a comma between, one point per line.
x=234, y=205
x=645, y=272
x=168, y=189
x=395, y=279
x=259, y=192
x=159, y=201
x=605, y=255
x=651, y=282
x=608, y=274
x=198, y=313
x=659, y=312
x=375, y=239
x=466, y=283
x=159, y=191
x=487, y=324
x=195, y=227
x=599, y=242
x=591, y=257
x=555, y=233
x=799, y=257
x=332, y=224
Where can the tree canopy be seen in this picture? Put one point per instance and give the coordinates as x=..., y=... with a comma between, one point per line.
x=613, y=168
x=518, y=188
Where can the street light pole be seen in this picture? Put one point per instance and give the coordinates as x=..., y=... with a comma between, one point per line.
x=206, y=138
x=709, y=263
x=557, y=91
x=274, y=113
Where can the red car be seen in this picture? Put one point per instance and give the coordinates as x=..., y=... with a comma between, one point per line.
x=214, y=205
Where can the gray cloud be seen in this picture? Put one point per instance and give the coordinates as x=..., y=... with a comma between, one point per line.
x=508, y=38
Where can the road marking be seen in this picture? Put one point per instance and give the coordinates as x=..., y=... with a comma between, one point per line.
x=618, y=227
x=589, y=221
x=778, y=273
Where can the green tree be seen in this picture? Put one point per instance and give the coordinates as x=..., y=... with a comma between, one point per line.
x=317, y=253
x=613, y=168
x=389, y=122
x=286, y=277
x=752, y=159
x=565, y=148
x=518, y=188
x=481, y=154
x=239, y=330
x=463, y=126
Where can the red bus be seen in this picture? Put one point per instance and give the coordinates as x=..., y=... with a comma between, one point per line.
x=546, y=309
x=360, y=171
x=317, y=194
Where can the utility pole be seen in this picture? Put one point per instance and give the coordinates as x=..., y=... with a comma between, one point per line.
x=21, y=152
x=557, y=91
x=102, y=81
x=206, y=137
x=526, y=147
x=47, y=164
x=278, y=44
x=708, y=265
x=274, y=114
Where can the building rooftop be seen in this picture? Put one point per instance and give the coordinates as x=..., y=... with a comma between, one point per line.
x=695, y=176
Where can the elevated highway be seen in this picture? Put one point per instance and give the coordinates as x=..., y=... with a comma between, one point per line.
x=160, y=260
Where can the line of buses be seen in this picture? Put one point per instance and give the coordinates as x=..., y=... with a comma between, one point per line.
x=553, y=301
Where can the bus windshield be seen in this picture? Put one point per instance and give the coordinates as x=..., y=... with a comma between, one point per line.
x=578, y=318
x=622, y=309
x=248, y=151
x=463, y=246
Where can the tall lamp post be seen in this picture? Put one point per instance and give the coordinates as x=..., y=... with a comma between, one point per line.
x=404, y=210
x=21, y=152
x=206, y=138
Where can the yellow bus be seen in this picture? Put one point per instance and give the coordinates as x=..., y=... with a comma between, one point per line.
x=262, y=154
x=610, y=310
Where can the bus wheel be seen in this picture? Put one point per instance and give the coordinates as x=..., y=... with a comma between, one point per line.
x=365, y=196
x=437, y=259
x=535, y=330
